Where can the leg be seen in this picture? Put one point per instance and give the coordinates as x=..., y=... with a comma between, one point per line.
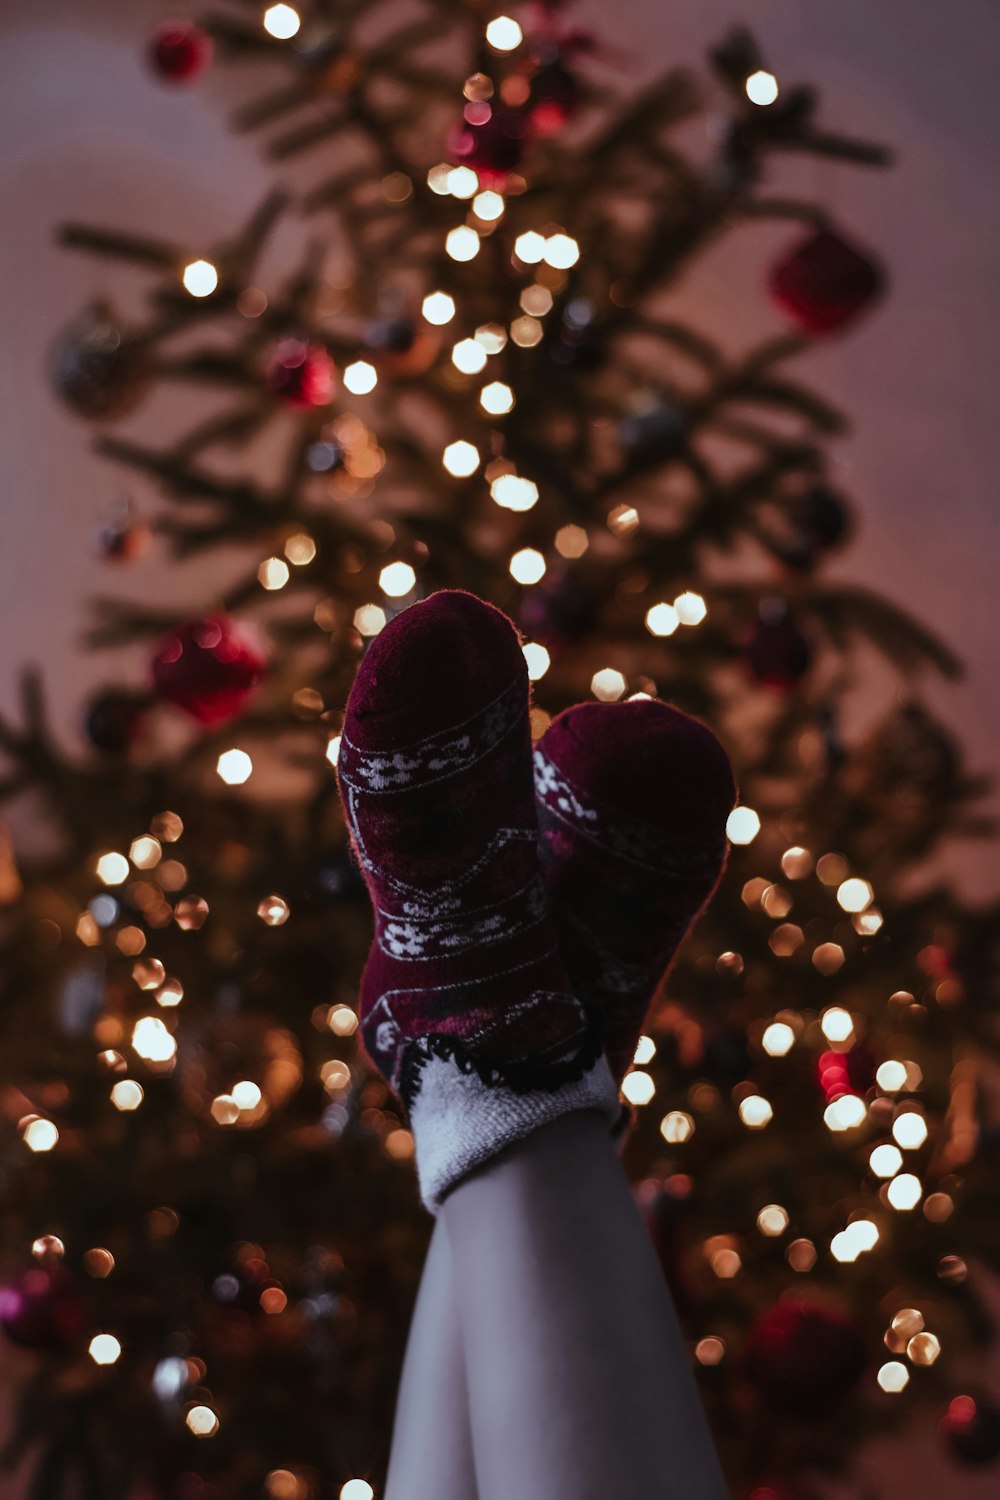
x=579, y=1383
x=431, y=1442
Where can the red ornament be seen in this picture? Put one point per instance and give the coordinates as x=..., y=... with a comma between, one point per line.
x=179, y=51
x=492, y=139
x=804, y=1359
x=850, y=1072
x=208, y=667
x=971, y=1429
x=300, y=373
x=824, y=282
x=42, y=1308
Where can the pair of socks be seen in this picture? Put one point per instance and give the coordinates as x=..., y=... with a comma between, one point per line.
x=527, y=902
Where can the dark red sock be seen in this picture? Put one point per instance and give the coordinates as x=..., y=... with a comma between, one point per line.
x=465, y=1004
x=632, y=801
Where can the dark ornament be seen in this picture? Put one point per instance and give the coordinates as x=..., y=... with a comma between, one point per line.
x=971, y=1428
x=491, y=138
x=819, y=520
x=113, y=720
x=556, y=93
x=559, y=611
x=43, y=1308
x=99, y=371
x=775, y=650
x=208, y=667
x=824, y=282
x=655, y=429
x=391, y=335
x=803, y=1359
x=179, y=51
x=300, y=373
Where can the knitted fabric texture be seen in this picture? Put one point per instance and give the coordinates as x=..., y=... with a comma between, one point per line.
x=466, y=1008
x=632, y=803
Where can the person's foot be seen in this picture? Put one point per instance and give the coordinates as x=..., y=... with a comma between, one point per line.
x=632, y=803
x=465, y=1005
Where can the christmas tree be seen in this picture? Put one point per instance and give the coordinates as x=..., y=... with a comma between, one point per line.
x=479, y=374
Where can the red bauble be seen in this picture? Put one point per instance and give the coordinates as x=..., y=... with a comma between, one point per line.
x=776, y=651
x=42, y=1308
x=850, y=1072
x=804, y=1359
x=491, y=138
x=179, y=51
x=972, y=1430
x=207, y=667
x=300, y=373
x=555, y=96
x=824, y=282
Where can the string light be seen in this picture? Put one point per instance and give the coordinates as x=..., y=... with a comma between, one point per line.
x=909, y=1130
x=112, y=868
x=496, y=398
x=342, y=1020
x=145, y=852
x=623, y=520
x=778, y=1039
x=904, y=1192
x=608, y=685
x=836, y=1024
x=676, y=1127
x=924, y=1348
x=527, y=566
x=462, y=243
x=369, y=619
x=274, y=911
x=529, y=247
x=360, y=377
x=397, y=579
x=513, y=492
x=126, y=1094
x=662, y=619
x=526, y=332
x=638, y=1087
x=469, y=356
x=438, y=308
x=571, y=541
x=761, y=87
x=273, y=573
x=828, y=957
x=461, y=459
x=709, y=1351
x=104, y=1349
x=300, y=549
x=357, y=1489
x=200, y=278
x=234, y=767
x=246, y=1094
x=488, y=206
x=742, y=825
x=437, y=179
x=858, y=1238
x=756, y=1112
x=171, y=993
x=38, y=1134
x=645, y=1051
x=503, y=34
x=282, y=22
x=561, y=251
x=333, y=749
x=537, y=658
x=796, y=862
x=893, y=1377
x=845, y=1113
x=691, y=608
x=854, y=894
x=772, y=1220
x=152, y=1041
x=885, y=1160
x=462, y=182
x=201, y=1420
x=891, y=1076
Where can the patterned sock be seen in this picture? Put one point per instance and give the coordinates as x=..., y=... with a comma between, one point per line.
x=632, y=803
x=465, y=1005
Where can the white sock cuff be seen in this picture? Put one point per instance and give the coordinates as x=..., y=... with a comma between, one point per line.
x=459, y=1122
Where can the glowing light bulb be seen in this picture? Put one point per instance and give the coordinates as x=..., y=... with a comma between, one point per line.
x=369, y=619
x=904, y=1192
x=836, y=1023
x=126, y=1094
x=761, y=87
x=246, y=1094
x=282, y=22
x=333, y=749
x=201, y=1420
x=360, y=377
x=691, y=608
x=438, y=308
x=537, y=658
x=891, y=1076
x=397, y=579
x=886, y=1160
x=778, y=1039
x=200, y=278
x=274, y=911
x=342, y=1020
x=756, y=1112
x=662, y=619
x=234, y=767
x=526, y=332
x=488, y=206
x=909, y=1130
x=527, y=566
x=112, y=868
x=461, y=459
x=923, y=1348
x=513, y=492
x=530, y=247
x=638, y=1087
x=104, y=1349
x=492, y=336
x=854, y=894
x=39, y=1134
x=274, y=573
x=571, y=541
x=893, y=1377
x=469, y=356
x=772, y=1220
x=462, y=182
x=742, y=825
x=561, y=251
x=145, y=852
x=608, y=684
x=152, y=1041
x=676, y=1127
x=462, y=243
x=645, y=1051
x=300, y=549
x=845, y=1113
x=357, y=1489
x=503, y=34
x=796, y=862
x=496, y=398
